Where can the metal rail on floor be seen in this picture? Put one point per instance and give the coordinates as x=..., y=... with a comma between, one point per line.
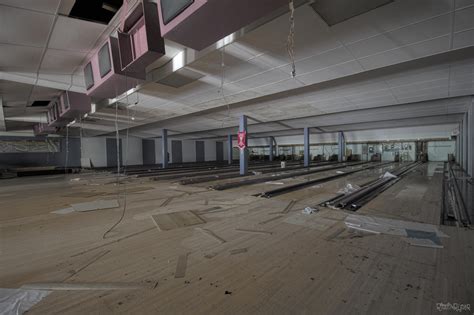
x=357, y=199
x=204, y=179
x=281, y=176
x=288, y=189
x=455, y=209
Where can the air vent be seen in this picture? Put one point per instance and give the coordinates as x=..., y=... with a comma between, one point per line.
x=40, y=103
x=337, y=11
x=180, y=78
x=100, y=11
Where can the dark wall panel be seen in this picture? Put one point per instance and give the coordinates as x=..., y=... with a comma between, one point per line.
x=30, y=159
x=219, y=151
x=149, y=156
x=176, y=151
x=111, y=146
x=200, y=151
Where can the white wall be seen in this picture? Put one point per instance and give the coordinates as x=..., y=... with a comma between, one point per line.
x=133, y=154
x=439, y=150
x=95, y=149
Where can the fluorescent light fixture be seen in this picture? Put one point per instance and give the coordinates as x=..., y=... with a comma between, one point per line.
x=93, y=108
x=108, y=7
x=71, y=123
x=178, y=61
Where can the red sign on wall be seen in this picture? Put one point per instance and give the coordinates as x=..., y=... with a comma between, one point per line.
x=242, y=140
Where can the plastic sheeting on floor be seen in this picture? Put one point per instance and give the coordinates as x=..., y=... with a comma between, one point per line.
x=18, y=301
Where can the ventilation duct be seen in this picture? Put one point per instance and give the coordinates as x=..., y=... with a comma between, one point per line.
x=103, y=73
x=73, y=105
x=140, y=41
x=43, y=129
x=200, y=23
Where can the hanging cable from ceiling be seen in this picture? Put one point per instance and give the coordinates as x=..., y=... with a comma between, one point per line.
x=221, y=89
x=290, y=44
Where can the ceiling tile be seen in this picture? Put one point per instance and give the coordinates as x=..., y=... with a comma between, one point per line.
x=19, y=58
x=24, y=27
x=418, y=50
x=61, y=62
x=404, y=36
x=463, y=39
x=46, y=6
x=75, y=35
x=464, y=19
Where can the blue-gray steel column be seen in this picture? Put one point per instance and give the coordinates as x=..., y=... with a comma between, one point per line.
x=270, y=156
x=306, y=147
x=164, y=148
x=229, y=149
x=244, y=154
x=341, y=145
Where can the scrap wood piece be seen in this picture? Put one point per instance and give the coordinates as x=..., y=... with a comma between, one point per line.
x=95, y=205
x=167, y=201
x=270, y=220
x=83, y=286
x=238, y=251
x=254, y=231
x=287, y=209
x=63, y=211
x=93, y=260
x=211, y=210
x=175, y=220
x=212, y=235
x=289, y=206
x=84, y=194
x=112, y=242
x=181, y=266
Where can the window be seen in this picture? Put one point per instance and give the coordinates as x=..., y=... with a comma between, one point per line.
x=172, y=8
x=105, y=64
x=88, y=76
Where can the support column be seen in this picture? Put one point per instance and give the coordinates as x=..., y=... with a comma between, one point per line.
x=229, y=149
x=306, y=147
x=164, y=148
x=270, y=156
x=342, y=147
x=465, y=138
x=471, y=140
x=244, y=154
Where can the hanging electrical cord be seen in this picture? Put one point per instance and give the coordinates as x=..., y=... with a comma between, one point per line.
x=118, y=164
x=67, y=150
x=290, y=45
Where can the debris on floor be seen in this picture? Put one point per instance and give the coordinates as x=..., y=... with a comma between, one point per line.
x=309, y=210
x=254, y=231
x=238, y=251
x=212, y=235
x=63, y=211
x=389, y=175
x=19, y=301
x=181, y=266
x=348, y=189
x=417, y=234
x=95, y=205
x=84, y=286
x=175, y=220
